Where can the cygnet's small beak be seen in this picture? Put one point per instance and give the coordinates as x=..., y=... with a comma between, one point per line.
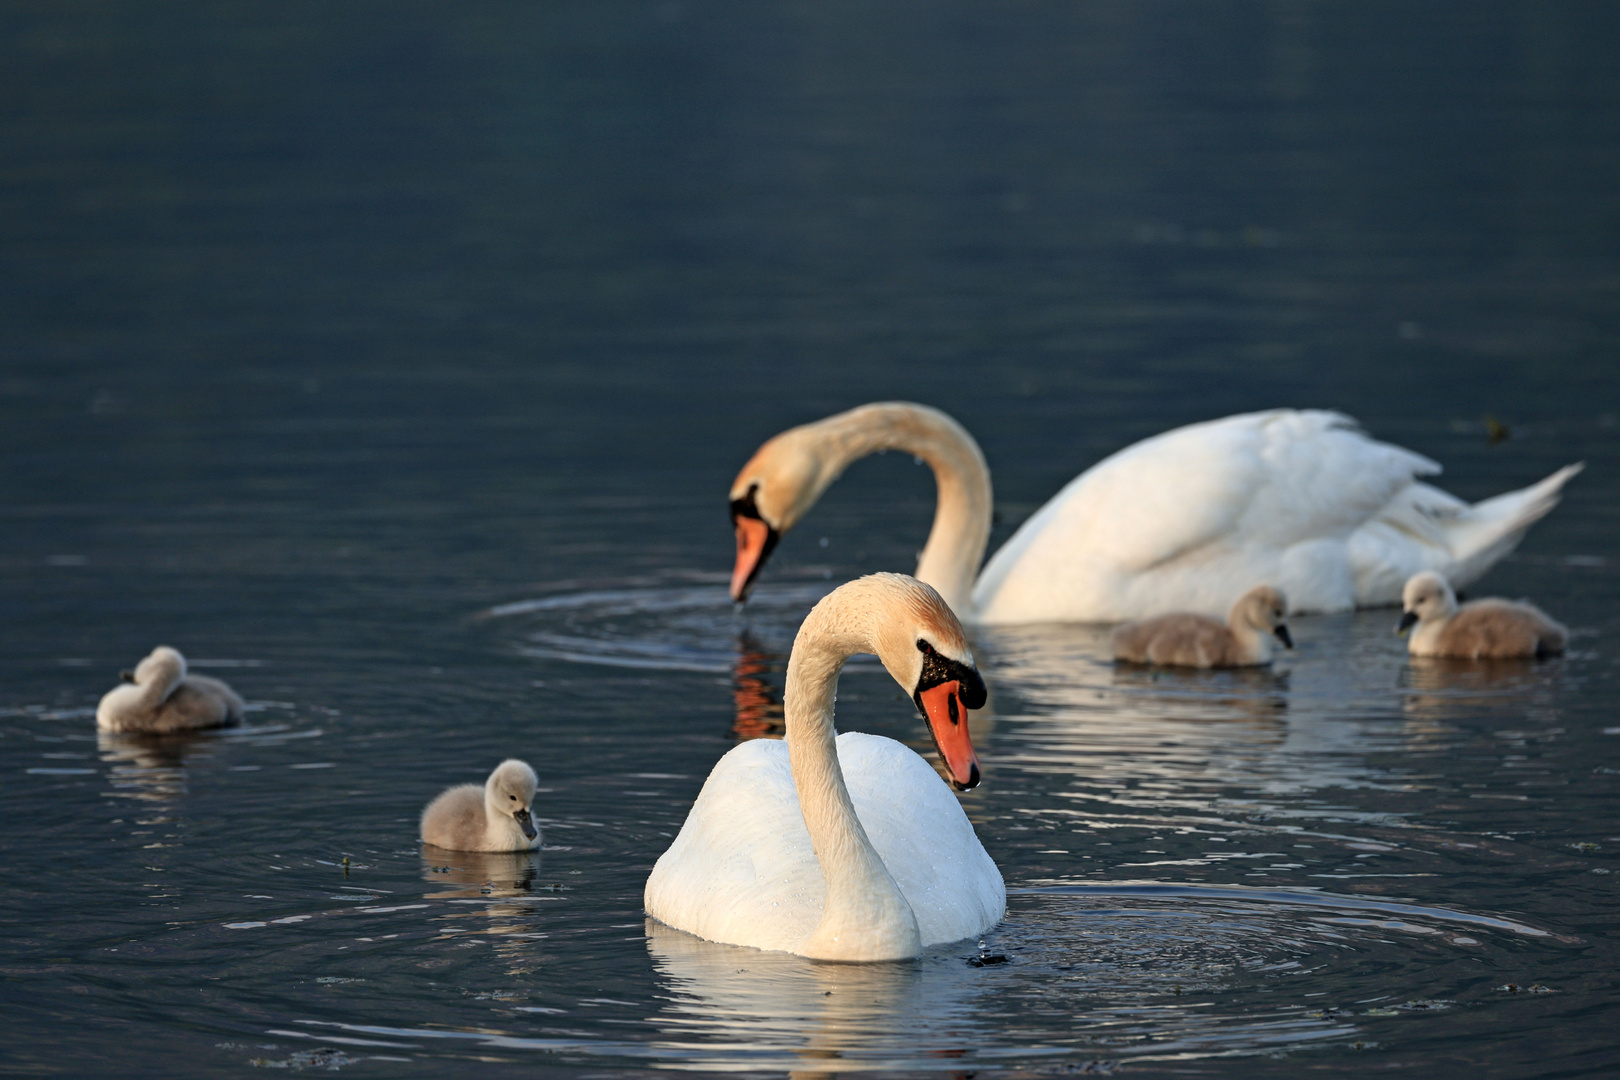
x=1283, y=636
x=127, y=675
x=1407, y=619
x=525, y=822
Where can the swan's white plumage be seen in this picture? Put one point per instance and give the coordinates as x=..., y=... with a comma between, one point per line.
x=1192, y=517
x=1184, y=521
x=842, y=847
x=742, y=869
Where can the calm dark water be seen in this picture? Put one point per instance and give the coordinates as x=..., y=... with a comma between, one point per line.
x=393, y=362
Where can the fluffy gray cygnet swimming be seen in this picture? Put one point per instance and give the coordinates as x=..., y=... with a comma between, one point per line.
x=158, y=697
x=1489, y=629
x=494, y=817
x=1188, y=640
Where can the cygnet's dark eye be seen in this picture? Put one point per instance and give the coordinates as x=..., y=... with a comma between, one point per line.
x=924, y=648
x=512, y=797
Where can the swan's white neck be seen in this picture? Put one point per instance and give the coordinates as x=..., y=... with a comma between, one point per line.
x=866, y=917
x=950, y=560
x=1256, y=643
x=163, y=678
x=1425, y=640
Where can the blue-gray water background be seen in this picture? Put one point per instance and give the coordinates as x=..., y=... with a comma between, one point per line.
x=393, y=360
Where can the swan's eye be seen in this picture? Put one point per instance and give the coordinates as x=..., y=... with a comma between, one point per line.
x=512, y=797
x=924, y=648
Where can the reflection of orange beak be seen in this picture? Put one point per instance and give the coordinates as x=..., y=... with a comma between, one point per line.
x=753, y=544
x=948, y=723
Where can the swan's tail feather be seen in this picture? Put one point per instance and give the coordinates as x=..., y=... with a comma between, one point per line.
x=1493, y=528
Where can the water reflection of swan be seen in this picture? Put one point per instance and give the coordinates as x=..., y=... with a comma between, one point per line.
x=146, y=767
x=759, y=711
x=731, y=1007
x=1309, y=726
x=481, y=874
x=1440, y=690
x=509, y=881
x=1186, y=520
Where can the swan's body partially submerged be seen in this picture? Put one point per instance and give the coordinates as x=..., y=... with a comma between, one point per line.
x=1184, y=521
x=846, y=848
x=1487, y=629
x=493, y=816
x=160, y=697
x=1183, y=639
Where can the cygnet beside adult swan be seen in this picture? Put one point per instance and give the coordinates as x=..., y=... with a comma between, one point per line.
x=1183, y=521
x=1187, y=640
x=159, y=698
x=846, y=848
x=493, y=817
x=1488, y=629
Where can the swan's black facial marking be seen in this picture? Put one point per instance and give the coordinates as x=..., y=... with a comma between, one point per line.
x=942, y=669
x=127, y=676
x=747, y=509
x=745, y=506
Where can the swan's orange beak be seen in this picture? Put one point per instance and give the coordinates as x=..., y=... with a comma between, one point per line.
x=754, y=541
x=948, y=723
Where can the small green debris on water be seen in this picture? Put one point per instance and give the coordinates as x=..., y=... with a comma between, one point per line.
x=320, y=1058
x=1496, y=431
x=1414, y=1005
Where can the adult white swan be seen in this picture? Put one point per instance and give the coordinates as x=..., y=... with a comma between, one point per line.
x=1185, y=521
x=846, y=849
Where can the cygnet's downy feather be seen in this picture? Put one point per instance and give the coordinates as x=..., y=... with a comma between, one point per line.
x=496, y=816
x=1489, y=629
x=159, y=697
x=1184, y=639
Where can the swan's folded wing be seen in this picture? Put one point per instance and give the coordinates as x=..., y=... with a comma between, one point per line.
x=924, y=838
x=1260, y=479
x=742, y=870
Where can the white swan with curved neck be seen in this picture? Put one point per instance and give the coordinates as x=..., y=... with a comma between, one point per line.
x=843, y=847
x=1184, y=521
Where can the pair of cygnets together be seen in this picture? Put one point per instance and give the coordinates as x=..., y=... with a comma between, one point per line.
x=160, y=697
x=1489, y=629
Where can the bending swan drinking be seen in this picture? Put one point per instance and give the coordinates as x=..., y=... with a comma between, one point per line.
x=843, y=847
x=1184, y=521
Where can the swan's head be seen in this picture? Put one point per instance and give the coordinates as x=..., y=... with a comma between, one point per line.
x=921, y=643
x=1426, y=596
x=510, y=791
x=773, y=491
x=1263, y=608
x=162, y=666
